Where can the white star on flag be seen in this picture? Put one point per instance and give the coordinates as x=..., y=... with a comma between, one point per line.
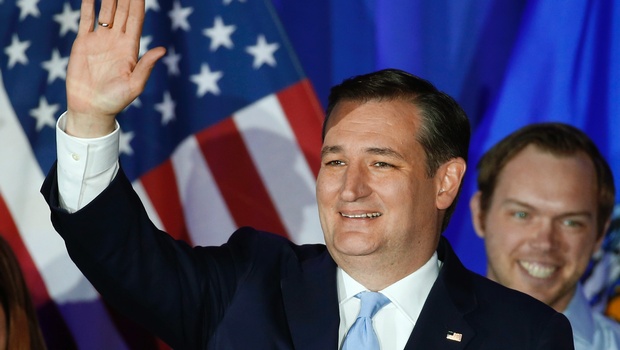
x=56, y=67
x=179, y=15
x=220, y=34
x=17, y=51
x=207, y=80
x=45, y=114
x=28, y=7
x=68, y=19
x=124, y=143
x=166, y=108
x=263, y=52
x=151, y=5
x=171, y=60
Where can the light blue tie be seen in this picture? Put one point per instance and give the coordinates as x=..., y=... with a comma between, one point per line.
x=361, y=335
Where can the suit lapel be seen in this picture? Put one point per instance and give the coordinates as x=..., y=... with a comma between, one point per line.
x=311, y=302
x=442, y=323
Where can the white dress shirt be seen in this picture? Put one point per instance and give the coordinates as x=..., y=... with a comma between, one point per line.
x=87, y=166
x=395, y=321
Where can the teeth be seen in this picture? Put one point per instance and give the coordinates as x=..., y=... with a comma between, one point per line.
x=537, y=270
x=359, y=216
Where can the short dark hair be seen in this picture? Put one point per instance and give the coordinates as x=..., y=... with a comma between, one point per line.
x=558, y=139
x=444, y=132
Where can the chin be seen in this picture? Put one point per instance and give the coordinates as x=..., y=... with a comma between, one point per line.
x=536, y=293
x=354, y=247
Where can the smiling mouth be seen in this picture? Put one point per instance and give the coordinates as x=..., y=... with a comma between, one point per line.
x=537, y=270
x=361, y=216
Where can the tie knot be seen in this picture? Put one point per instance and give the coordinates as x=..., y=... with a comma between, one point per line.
x=371, y=303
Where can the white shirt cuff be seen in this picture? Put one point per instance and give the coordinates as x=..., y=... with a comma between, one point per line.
x=85, y=166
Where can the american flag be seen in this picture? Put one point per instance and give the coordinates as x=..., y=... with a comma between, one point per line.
x=226, y=134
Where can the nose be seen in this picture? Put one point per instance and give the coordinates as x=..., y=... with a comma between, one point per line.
x=355, y=183
x=544, y=236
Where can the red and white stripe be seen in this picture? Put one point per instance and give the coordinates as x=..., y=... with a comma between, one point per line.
x=258, y=167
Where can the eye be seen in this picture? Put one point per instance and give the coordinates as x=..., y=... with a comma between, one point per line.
x=334, y=163
x=382, y=165
x=521, y=215
x=572, y=223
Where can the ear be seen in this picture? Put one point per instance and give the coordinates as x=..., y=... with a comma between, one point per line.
x=450, y=177
x=476, y=214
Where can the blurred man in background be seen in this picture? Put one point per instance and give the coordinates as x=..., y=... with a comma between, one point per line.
x=544, y=201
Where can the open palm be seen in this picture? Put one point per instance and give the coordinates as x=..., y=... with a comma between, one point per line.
x=104, y=74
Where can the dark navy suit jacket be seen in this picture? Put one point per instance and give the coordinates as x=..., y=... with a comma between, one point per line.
x=260, y=291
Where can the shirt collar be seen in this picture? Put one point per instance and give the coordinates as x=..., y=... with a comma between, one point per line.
x=407, y=294
x=579, y=315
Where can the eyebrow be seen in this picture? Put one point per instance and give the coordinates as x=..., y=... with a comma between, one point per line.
x=516, y=202
x=381, y=151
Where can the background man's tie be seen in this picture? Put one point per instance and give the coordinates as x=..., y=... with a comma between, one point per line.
x=361, y=335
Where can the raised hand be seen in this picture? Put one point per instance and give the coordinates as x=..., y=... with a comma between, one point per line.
x=104, y=74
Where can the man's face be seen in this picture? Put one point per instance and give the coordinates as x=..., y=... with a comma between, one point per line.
x=375, y=201
x=540, y=229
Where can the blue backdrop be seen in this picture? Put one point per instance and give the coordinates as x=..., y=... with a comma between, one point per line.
x=508, y=63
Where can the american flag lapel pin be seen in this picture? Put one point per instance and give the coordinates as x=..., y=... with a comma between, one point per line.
x=454, y=336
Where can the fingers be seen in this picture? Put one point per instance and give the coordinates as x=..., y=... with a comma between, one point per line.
x=135, y=18
x=120, y=17
x=127, y=14
x=106, y=13
x=145, y=65
x=87, y=16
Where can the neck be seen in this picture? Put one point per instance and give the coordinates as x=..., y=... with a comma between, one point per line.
x=378, y=275
x=561, y=303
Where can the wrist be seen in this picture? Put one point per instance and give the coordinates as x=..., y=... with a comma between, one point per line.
x=88, y=125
